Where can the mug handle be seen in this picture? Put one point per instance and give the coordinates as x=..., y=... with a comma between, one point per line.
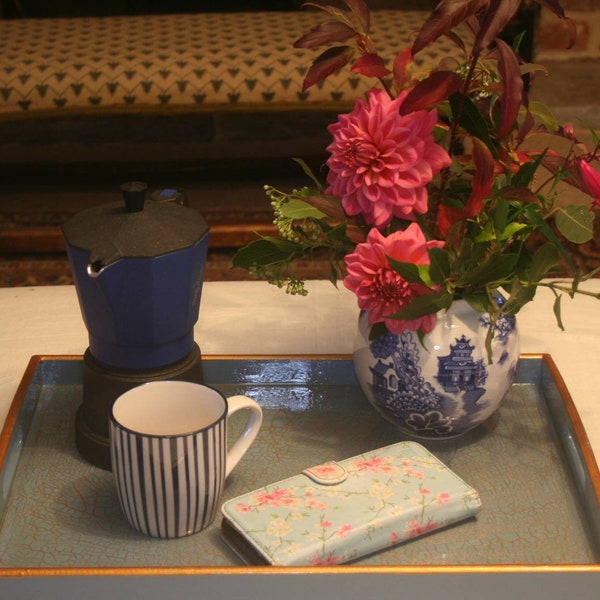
x=247, y=436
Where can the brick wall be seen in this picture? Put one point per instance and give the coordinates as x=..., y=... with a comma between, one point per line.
x=552, y=35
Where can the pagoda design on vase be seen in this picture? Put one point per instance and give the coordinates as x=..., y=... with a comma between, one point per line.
x=458, y=370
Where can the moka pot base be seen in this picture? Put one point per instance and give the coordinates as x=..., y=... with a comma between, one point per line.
x=103, y=384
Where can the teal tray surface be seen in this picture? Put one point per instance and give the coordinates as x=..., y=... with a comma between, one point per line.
x=530, y=464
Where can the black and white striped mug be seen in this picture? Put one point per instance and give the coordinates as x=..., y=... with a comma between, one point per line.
x=169, y=453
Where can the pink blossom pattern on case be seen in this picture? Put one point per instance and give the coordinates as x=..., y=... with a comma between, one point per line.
x=390, y=495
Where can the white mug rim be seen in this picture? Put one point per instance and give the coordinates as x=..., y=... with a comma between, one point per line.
x=118, y=425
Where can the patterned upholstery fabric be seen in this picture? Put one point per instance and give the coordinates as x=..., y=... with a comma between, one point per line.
x=162, y=61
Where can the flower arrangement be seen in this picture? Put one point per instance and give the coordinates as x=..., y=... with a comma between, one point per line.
x=432, y=184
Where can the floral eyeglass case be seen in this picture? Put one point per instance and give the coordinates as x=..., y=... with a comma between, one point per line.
x=337, y=512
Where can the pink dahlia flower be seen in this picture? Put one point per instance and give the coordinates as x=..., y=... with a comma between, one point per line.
x=380, y=290
x=381, y=161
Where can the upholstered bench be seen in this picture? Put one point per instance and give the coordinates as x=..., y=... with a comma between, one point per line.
x=215, y=66
x=211, y=94
x=199, y=60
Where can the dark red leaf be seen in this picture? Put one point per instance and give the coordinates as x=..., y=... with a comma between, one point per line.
x=438, y=86
x=342, y=15
x=557, y=9
x=325, y=33
x=330, y=205
x=482, y=186
x=526, y=127
x=483, y=181
x=358, y=8
x=401, y=69
x=361, y=11
x=447, y=217
x=447, y=15
x=519, y=193
x=496, y=18
x=557, y=164
x=370, y=65
x=327, y=63
x=457, y=41
x=473, y=24
x=572, y=31
x=512, y=87
x=554, y=6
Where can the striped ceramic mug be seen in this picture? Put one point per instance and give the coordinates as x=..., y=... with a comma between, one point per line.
x=169, y=453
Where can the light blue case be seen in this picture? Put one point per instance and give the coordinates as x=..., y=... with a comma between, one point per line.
x=337, y=512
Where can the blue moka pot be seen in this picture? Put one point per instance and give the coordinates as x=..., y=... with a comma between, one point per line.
x=138, y=268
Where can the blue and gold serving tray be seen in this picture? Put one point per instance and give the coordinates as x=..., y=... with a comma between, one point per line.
x=531, y=464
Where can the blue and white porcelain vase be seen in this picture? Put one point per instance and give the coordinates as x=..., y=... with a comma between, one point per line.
x=444, y=385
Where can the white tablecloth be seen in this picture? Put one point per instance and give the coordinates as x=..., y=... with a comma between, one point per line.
x=257, y=318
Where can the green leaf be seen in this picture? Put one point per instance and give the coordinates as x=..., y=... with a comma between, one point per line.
x=487, y=234
x=421, y=336
x=266, y=251
x=308, y=172
x=500, y=215
x=557, y=312
x=541, y=224
x=519, y=296
x=333, y=275
x=425, y=276
x=497, y=268
x=337, y=233
x=470, y=119
x=524, y=176
x=408, y=271
x=500, y=227
x=510, y=230
x=489, y=336
x=470, y=256
x=576, y=223
x=480, y=302
x=544, y=259
x=439, y=268
x=298, y=209
x=423, y=305
x=545, y=114
x=377, y=330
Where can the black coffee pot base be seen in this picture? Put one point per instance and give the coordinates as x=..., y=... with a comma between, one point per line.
x=103, y=384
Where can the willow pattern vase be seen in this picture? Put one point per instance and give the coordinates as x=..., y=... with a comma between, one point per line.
x=443, y=386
